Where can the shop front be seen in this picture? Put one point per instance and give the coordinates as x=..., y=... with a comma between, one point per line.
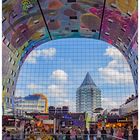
x=130, y=111
x=70, y=120
x=109, y=121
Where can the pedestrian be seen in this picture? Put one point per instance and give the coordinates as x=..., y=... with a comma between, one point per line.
x=115, y=131
x=119, y=133
x=32, y=136
x=126, y=133
x=12, y=138
x=73, y=134
x=60, y=137
x=64, y=135
x=130, y=132
x=28, y=130
x=56, y=136
x=111, y=131
x=135, y=133
x=92, y=133
x=38, y=138
x=4, y=132
x=4, y=129
x=68, y=135
x=8, y=136
x=98, y=134
x=86, y=134
x=103, y=134
x=79, y=136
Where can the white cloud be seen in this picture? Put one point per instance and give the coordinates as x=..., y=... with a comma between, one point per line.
x=67, y=102
x=114, y=102
x=117, y=71
x=56, y=91
x=60, y=75
x=114, y=53
x=19, y=93
x=108, y=103
x=33, y=86
x=32, y=58
x=114, y=76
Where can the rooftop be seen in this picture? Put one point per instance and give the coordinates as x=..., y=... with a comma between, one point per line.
x=32, y=97
x=88, y=81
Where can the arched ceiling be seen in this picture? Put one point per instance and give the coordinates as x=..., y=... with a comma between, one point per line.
x=29, y=23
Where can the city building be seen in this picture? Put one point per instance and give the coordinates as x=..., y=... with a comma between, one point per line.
x=114, y=111
x=126, y=115
x=129, y=110
x=88, y=96
x=58, y=110
x=31, y=103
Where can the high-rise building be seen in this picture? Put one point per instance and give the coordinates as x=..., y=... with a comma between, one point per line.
x=88, y=96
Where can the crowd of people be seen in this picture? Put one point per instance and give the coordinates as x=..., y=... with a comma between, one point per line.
x=99, y=134
x=33, y=132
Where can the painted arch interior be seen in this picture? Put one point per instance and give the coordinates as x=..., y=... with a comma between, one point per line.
x=29, y=23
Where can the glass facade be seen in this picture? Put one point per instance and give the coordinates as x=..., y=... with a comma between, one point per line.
x=88, y=96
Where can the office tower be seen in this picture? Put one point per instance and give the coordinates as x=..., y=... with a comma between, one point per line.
x=88, y=96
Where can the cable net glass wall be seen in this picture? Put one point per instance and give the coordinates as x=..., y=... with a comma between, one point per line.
x=58, y=68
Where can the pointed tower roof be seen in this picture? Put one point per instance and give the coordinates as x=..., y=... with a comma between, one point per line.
x=88, y=81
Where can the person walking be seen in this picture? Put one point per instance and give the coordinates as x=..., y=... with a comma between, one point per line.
x=68, y=135
x=135, y=133
x=126, y=134
x=92, y=133
x=119, y=133
x=4, y=132
x=4, y=129
x=38, y=138
x=103, y=134
x=130, y=132
x=60, y=137
x=111, y=131
x=56, y=135
x=86, y=134
x=8, y=136
x=98, y=134
x=73, y=134
x=79, y=135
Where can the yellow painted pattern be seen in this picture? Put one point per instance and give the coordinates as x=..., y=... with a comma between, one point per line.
x=127, y=5
x=46, y=101
x=124, y=5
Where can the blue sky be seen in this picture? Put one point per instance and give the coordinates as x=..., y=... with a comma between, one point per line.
x=57, y=68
